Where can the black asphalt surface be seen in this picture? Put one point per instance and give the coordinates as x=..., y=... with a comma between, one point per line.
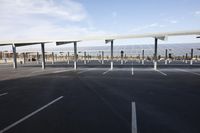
x=96, y=100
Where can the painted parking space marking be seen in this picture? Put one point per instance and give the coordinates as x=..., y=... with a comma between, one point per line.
x=104, y=73
x=161, y=72
x=3, y=94
x=189, y=72
x=133, y=118
x=29, y=115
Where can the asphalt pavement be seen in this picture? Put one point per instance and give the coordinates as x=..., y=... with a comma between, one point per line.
x=94, y=99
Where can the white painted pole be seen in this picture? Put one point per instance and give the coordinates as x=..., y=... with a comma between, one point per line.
x=165, y=61
x=24, y=56
x=37, y=57
x=43, y=55
x=155, y=54
x=14, y=56
x=142, y=57
x=191, y=62
x=67, y=57
x=102, y=57
x=111, y=63
x=122, y=57
x=75, y=55
x=53, y=58
x=166, y=53
x=85, y=61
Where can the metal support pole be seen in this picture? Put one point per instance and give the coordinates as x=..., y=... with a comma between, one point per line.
x=85, y=58
x=142, y=57
x=191, y=60
x=155, y=54
x=166, y=52
x=56, y=57
x=186, y=58
x=122, y=57
x=37, y=57
x=53, y=58
x=102, y=57
x=43, y=56
x=14, y=56
x=111, y=63
x=67, y=57
x=75, y=55
x=24, y=56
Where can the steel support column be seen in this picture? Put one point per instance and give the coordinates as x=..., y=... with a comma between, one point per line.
x=14, y=56
x=67, y=57
x=102, y=57
x=142, y=57
x=166, y=52
x=75, y=55
x=24, y=57
x=192, y=54
x=85, y=58
x=111, y=63
x=43, y=56
x=53, y=62
x=186, y=58
x=155, y=54
x=37, y=55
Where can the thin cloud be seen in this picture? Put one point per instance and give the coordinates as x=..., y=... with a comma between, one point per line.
x=197, y=13
x=30, y=19
x=114, y=14
x=145, y=27
x=68, y=9
x=173, y=21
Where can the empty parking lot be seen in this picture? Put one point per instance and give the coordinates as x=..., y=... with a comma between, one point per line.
x=96, y=99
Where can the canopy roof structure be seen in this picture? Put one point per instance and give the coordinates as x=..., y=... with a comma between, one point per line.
x=162, y=36
x=107, y=39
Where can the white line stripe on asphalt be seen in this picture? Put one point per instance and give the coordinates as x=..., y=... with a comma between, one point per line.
x=61, y=71
x=134, y=119
x=161, y=72
x=104, y=73
x=189, y=72
x=28, y=116
x=86, y=70
x=3, y=94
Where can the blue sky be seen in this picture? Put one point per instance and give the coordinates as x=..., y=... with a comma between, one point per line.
x=138, y=16
x=28, y=19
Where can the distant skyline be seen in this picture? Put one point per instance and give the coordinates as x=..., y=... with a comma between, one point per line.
x=31, y=19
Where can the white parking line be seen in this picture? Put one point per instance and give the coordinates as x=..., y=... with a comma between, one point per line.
x=3, y=94
x=86, y=70
x=134, y=119
x=61, y=71
x=189, y=72
x=28, y=116
x=106, y=72
x=161, y=72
